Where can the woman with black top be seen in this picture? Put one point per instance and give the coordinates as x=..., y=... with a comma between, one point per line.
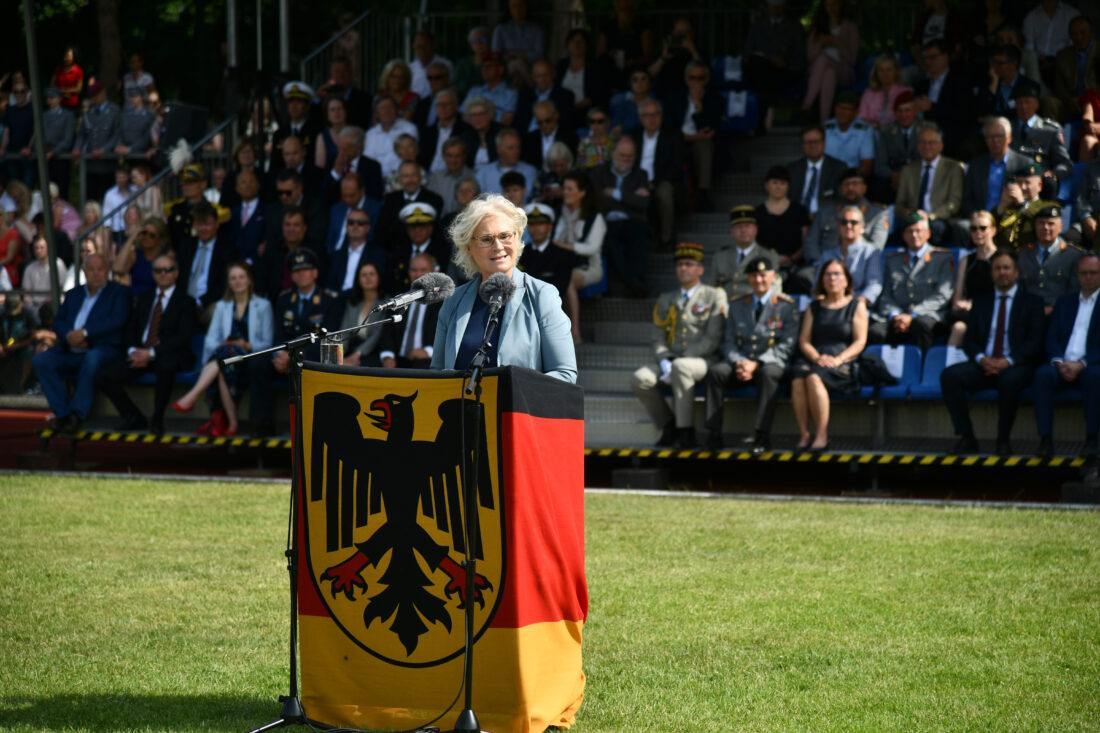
x=781, y=223
x=973, y=276
x=372, y=346
x=833, y=334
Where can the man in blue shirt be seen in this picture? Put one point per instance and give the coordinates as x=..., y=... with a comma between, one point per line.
x=495, y=88
x=849, y=139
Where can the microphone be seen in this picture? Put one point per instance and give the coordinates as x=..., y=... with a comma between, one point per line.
x=431, y=288
x=497, y=290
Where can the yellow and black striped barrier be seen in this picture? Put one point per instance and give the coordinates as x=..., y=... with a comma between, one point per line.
x=229, y=441
x=862, y=458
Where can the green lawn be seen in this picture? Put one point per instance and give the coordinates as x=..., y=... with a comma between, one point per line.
x=140, y=605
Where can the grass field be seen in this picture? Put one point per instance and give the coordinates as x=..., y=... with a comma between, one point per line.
x=161, y=606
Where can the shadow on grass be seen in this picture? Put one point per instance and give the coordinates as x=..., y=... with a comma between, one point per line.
x=138, y=712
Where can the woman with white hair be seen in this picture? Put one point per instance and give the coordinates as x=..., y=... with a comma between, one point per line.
x=534, y=331
x=547, y=188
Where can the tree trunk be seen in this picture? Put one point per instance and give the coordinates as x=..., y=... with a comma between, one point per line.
x=110, y=48
x=566, y=13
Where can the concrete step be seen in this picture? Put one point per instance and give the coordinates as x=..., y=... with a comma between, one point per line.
x=605, y=381
x=624, y=333
x=617, y=309
x=614, y=409
x=599, y=356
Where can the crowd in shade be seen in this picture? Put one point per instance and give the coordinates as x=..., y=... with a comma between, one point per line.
x=922, y=168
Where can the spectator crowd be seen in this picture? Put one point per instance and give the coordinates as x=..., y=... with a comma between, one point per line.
x=913, y=186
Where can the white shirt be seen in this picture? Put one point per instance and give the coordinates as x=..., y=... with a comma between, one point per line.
x=574, y=82
x=1009, y=296
x=111, y=200
x=688, y=128
x=419, y=71
x=935, y=86
x=1075, y=348
x=547, y=141
x=85, y=311
x=1045, y=35
x=248, y=208
x=379, y=144
x=414, y=337
x=438, y=164
x=649, y=153
x=354, y=255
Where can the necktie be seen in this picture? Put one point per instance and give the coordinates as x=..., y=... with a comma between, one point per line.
x=905, y=141
x=1041, y=253
x=811, y=188
x=410, y=332
x=245, y=211
x=199, y=267
x=999, y=334
x=153, y=337
x=759, y=310
x=924, y=181
x=1023, y=132
x=913, y=259
x=684, y=301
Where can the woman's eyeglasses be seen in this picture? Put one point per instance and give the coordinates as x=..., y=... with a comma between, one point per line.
x=486, y=240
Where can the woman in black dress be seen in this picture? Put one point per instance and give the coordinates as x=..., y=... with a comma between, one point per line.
x=974, y=275
x=782, y=223
x=833, y=334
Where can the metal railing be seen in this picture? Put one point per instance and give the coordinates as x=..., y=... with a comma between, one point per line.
x=168, y=192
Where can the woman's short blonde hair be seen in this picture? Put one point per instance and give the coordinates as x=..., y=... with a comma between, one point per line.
x=469, y=219
x=387, y=71
x=883, y=58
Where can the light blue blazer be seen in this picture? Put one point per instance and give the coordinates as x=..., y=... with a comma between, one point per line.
x=261, y=325
x=534, y=331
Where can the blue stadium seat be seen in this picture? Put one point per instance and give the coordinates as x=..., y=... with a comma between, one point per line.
x=910, y=373
x=928, y=388
x=595, y=288
x=741, y=123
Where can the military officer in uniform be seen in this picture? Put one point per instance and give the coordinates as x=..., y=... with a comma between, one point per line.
x=540, y=257
x=299, y=100
x=96, y=137
x=136, y=126
x=761, y=330
x=728, y=268
x=1039, y=138
x=420, y=226
x=917, y=288
x=897, y=146
x=1086, y=206
x=848, y=138
x=1048, y=266
x=1021, y=200
x=298, y=311
x=178, y=211
x=688, y=325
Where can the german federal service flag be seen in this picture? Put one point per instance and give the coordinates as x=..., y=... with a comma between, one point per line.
x=382, y=542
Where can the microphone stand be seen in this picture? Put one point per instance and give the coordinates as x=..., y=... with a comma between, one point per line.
x=467, y=720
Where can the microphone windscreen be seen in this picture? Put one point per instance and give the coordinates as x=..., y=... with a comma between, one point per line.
x=436, y=287
x=497, y=284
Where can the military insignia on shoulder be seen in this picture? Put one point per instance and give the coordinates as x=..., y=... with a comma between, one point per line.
x=782, y=298
x=330, y=293
x=317, y=299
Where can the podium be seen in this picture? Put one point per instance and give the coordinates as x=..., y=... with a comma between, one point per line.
x=381, y=543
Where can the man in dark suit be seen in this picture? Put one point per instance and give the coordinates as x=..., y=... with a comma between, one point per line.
x=1075, y=70
x=419, y=221
x=625, y=196
x=416, y=333
x=944, y=96
x=482, y=128
x=300, y=123
x=202, y=262
x=1073, y=358
x=352, y=196
x=272, y=272
x=350, y=159
x=989, y=172
x=89, y=328
x=295, y=154
x=354, y=251
x=700, y=128
x=447, y=124
x=158, y=339
x=291, y=194
x=340, y=84
x=425, y=114
x=248, y=221
x=661, y=156
x=545, y=88
x=541, y=258
x=390, y=232
x=816, y=176
x=1003, y=344
x=548, y=130
x=999, y=97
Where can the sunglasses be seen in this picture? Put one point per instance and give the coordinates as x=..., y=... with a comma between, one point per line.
x=979, y=227
x=284, y=192
x=435, y=77
x=850, y=222
x=357, y=222
x=163, y=270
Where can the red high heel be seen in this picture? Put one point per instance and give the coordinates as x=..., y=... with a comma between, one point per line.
x=180, y=408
